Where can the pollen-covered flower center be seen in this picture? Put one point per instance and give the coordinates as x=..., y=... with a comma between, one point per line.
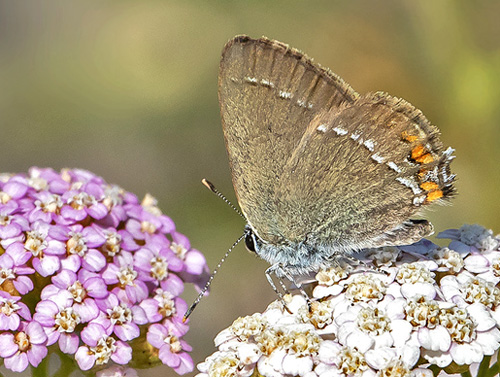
x=120, y=315
x=422, y=312
x=8, y=307
x=319, y=314
x=351, y=362
x=166, y=303
x=76, y=244
x=300, y=342
x=179, y=250
x=78, y=291
x=38, y=183
x=126, y=276
x=385, y=256
x=365, y=288
x=22, y=340
x=159, y=268
x=414, y=273
x=147, y=227
x=52, y=204
x=396, y=368
x=245, y=327
x=269, y=340
x=4, y=197
x=303, y=342
x=104, y=350
x=5, y=220
x=113, y=196
x=373, y=321
x=448, y=258
x=81, y=200
x=67, y=320
x=461, y=328
x=112, y=245
x=479, y=290
x=150, y=204
x=174, y=343
x=330, y=276
x=6, y=273
x=495, y=266
x=35, y=242
x=224, y=366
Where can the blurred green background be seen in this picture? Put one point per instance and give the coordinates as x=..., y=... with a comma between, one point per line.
x=128, y=90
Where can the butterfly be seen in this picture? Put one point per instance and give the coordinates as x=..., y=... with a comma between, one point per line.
x=319, y=170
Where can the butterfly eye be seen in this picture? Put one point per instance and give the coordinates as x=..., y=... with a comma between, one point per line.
x=250, y=242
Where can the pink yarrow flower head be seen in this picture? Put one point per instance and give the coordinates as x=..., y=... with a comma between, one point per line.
x=408, y=311
x=87, y=269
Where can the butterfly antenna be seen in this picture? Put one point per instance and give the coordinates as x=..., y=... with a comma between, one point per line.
x=209, y=282
x=212, y=188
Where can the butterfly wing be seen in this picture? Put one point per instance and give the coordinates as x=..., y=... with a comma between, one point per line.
x=269, y=94
x=358, y=174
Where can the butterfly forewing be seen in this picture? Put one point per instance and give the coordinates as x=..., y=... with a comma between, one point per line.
x=268, y=95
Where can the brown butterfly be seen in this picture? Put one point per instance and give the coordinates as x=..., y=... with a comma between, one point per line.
x=319, y=170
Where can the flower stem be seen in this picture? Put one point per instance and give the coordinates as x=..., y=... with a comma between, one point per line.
x=484, y=367
x=493, y=370
x=42, y=368
x=435, y=369
x=466, y=374
x=67, y=367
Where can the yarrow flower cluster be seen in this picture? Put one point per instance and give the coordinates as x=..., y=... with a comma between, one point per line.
x=88, y=270
x=406, y=311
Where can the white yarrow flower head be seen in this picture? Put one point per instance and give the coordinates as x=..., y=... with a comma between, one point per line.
x=409, y=311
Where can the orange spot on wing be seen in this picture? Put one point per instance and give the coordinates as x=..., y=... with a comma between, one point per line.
x=429, y=186
x=421, y=173
x=407, y=137
x=433, y=195
x=417, y=152
x=425, y=159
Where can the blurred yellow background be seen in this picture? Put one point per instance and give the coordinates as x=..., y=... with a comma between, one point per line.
x=128, y=90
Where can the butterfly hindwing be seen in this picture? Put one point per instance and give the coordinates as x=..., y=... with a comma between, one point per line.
x=359, y=172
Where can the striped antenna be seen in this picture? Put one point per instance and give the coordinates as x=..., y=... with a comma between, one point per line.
x=212, y=188
x=209, y=282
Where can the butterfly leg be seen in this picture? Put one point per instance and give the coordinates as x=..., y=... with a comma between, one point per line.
x=353, y=262
x=278, y=271
x=272, y=271
x=282, y=284
x=298, y=286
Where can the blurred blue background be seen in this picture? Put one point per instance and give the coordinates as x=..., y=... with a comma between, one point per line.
x=128, y=90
